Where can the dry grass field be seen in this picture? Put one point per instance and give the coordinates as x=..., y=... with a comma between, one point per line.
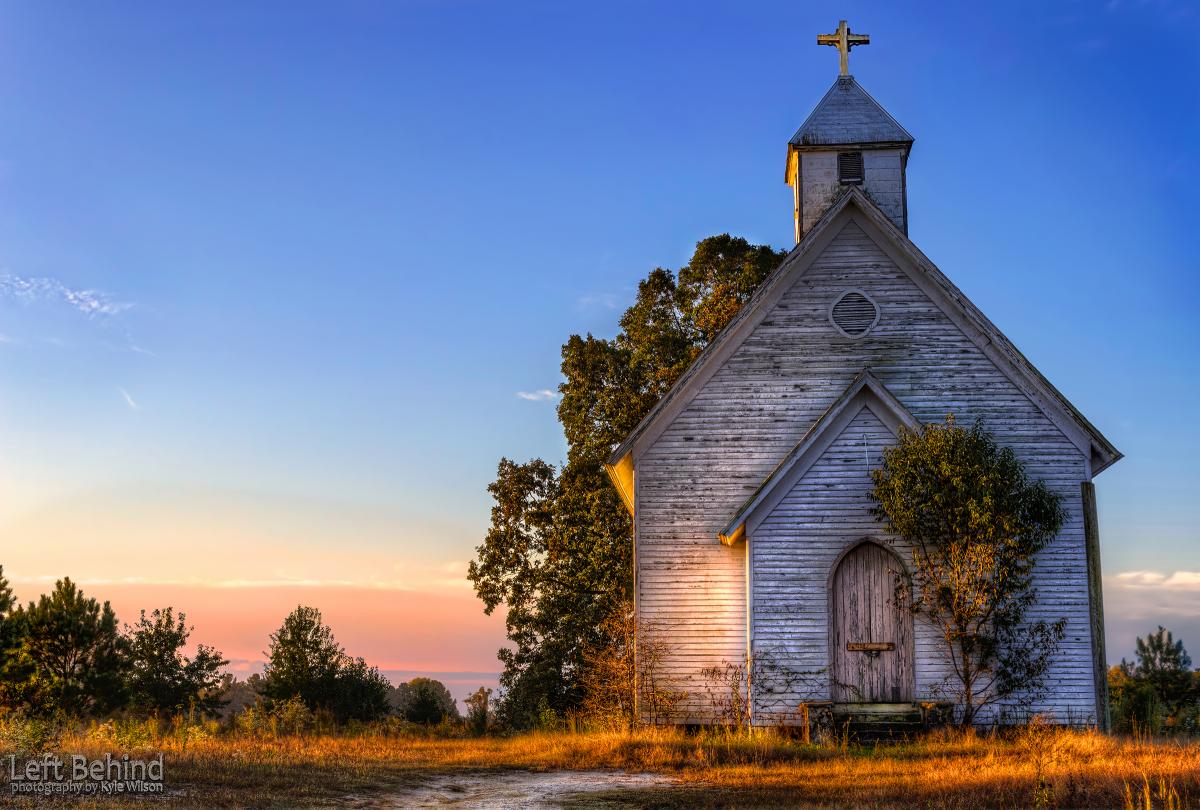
x=1034, y=767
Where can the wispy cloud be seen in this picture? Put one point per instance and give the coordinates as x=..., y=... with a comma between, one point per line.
x=603, y=300
x=136, y=349
x=1182, y=580
x=129, y=400
x=91, y=303
x=540, y=395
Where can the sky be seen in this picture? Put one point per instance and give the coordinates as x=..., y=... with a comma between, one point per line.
x=280, y=283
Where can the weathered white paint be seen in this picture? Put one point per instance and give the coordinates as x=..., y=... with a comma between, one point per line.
x=714, y=448
x=853, y=205
x=883, y=182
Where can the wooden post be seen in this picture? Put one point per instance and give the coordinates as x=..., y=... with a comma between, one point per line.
x=1091, y=532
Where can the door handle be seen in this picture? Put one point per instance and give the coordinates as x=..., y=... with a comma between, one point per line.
x=870, y=646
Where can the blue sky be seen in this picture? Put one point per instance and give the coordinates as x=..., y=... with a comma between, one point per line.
x=275, y=274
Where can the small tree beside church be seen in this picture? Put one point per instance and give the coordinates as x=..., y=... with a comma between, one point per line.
x=976, y=523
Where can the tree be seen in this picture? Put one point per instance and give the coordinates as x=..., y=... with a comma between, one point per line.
x=71, y=654
x=306, y=662
x=1164, y=662
x=976, y=524
x=424, y=700
x=478, y=716
x=12, y=674
x=161, y=678
x=1159, y=691
x=7, y=600
x=362, y=692
x=558, y=553
x=236, y=695
x=721, y=276
x=303, y=661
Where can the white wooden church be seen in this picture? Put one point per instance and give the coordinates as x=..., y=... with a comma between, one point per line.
x=749, y=480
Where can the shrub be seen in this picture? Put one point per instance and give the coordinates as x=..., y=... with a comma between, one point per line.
x=126, y=733
x=25, y=735
x=976, y=523
x=292, y=716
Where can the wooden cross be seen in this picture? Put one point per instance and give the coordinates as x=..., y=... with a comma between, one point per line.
x=843, y=40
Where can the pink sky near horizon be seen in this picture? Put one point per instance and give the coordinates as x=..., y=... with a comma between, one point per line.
x=402, y=632
x=237, y=562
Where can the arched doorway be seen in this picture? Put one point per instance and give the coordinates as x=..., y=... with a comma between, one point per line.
x=871, y=659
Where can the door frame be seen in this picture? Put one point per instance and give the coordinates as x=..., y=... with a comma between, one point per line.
x=830, y=605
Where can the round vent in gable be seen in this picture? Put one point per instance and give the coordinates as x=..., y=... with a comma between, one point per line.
x=854, y=314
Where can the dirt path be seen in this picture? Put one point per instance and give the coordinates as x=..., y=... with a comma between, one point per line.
x=507, y=789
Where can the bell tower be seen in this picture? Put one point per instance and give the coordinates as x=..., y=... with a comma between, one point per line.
x=848, y=139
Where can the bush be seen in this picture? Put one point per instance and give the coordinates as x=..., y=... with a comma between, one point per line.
x=25, y=735
x=126, y=733
x=289, y=716
x=292, y=716
x=547, y=718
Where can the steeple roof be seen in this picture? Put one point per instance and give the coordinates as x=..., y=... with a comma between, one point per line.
x=848, y=115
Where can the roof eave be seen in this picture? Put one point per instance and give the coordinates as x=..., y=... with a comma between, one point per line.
x=1013, y=358
x=825, y=147
x=801, y=248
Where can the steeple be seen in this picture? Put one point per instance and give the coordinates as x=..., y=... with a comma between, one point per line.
x=847, y=139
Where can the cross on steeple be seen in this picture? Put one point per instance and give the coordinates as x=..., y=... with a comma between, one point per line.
x=843, y=40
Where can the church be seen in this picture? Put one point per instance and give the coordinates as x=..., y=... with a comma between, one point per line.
x=749, y=481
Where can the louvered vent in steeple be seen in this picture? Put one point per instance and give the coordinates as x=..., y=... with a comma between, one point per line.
x=850, y=167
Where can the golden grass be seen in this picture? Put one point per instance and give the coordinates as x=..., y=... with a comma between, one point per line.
x=1035, y=767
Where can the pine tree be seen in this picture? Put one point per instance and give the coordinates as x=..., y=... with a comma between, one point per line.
x=71, y=654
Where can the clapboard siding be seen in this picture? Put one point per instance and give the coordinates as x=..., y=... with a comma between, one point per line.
x=794, y=549
x=747, y=416
x=883, y=180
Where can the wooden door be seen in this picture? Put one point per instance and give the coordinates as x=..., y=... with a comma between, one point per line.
x=872, y=656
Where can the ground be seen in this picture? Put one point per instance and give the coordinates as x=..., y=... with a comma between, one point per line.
x=1035, y=767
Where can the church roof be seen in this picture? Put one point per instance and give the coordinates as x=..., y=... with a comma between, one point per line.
x=848, y=115
x=854, y=203
x=865, y=391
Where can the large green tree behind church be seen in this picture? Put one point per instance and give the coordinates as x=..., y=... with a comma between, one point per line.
x=558, y=554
